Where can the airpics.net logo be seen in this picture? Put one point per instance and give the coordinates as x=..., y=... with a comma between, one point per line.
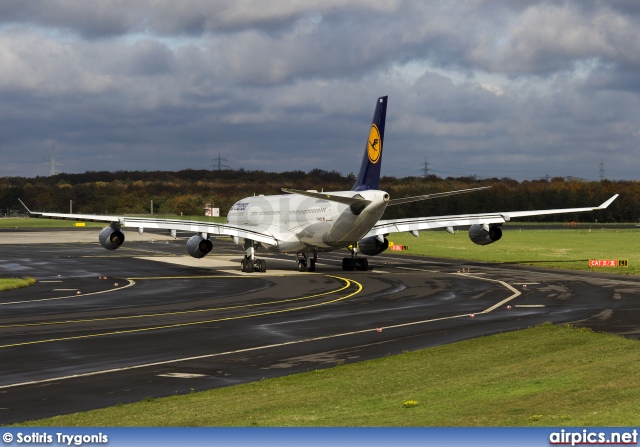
x=589, y=437
x=374, y=146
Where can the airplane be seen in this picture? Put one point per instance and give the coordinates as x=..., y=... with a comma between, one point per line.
x=309, y=222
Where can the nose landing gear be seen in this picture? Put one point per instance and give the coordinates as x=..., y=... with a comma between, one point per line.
x=257, y=265
x=250, y=263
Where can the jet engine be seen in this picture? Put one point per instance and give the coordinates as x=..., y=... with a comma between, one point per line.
x=372, y=246
x=199, y=247
x=110, y=238
x=480, y=236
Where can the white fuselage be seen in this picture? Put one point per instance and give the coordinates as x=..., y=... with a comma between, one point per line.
x=303, y=224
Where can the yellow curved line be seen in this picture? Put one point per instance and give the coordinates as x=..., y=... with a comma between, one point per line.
x=193, y=323
x=182, y=312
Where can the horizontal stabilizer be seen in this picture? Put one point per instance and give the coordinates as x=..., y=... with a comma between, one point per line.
x=356, y=200
x=434, y=196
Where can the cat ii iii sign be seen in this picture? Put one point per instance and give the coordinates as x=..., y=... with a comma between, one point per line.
x=608, y=263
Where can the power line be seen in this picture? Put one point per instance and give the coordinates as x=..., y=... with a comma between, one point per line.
x=425, y=169
x=218, y=163
x=52, y=159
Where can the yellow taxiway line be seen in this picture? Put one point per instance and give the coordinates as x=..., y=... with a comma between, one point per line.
x=194, y=323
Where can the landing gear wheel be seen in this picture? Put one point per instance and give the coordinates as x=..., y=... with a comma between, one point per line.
x=263, y=265
x=362, y=264
x=247, y=265
x=348, y=264
x=312, y=265
x=302, y=266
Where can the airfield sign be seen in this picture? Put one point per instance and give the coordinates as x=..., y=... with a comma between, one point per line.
x=608, y=263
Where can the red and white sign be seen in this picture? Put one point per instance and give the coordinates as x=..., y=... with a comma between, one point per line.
x=603, y=263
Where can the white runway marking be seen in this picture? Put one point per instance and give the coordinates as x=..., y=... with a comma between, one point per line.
x=131, y=283
x=182, y=375
x=417, y=270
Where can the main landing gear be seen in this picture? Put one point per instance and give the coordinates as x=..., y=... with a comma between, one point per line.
x=355, y=263
x=257, y=265
x=307, y=263
x=250, y=264
x=351, y=264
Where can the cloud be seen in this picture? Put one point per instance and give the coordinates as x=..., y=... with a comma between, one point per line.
x=496, y=88
x=110, y=18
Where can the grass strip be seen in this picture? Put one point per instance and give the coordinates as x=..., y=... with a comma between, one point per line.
x=561, y=248
x=15, y=283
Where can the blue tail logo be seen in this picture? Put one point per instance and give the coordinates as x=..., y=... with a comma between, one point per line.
x=369, y=175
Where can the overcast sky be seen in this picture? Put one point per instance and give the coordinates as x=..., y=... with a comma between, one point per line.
x=502, y=88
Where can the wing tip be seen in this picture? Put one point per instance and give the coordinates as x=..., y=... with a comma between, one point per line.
x=608, y=202
x=25, y=207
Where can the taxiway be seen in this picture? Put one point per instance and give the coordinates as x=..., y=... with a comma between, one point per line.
x=101, y=328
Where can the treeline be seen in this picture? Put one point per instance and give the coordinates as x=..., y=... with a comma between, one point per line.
x=188, y=191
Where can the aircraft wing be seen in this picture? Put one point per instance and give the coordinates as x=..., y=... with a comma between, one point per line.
x=255, y=233
x=431, y=223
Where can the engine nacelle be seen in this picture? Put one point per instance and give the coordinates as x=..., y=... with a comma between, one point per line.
x=110, y=238
x=199, y=247
x=372, y=246
x=480, y=236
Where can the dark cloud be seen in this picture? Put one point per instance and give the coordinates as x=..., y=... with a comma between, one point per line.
x=495, y=88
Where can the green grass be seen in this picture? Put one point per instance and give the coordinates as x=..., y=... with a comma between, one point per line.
x=543, y=376
x=562, y=248
x=29, y=223
x=15, y=283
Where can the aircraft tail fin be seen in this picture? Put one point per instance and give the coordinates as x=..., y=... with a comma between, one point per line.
x=369, y=175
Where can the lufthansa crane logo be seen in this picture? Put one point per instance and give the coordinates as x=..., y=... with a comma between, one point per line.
x=374, y=146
